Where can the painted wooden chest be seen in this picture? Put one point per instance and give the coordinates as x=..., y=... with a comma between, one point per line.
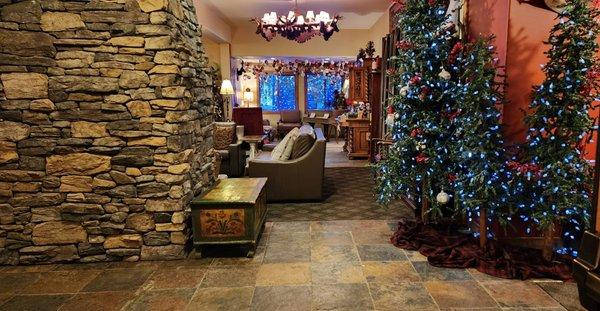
x=233, y=212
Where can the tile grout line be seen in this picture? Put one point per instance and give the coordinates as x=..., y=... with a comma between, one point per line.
x=422, y=280
x=485, y=289
x=363, y=271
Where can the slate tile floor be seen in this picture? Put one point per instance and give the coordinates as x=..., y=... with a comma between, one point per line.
x=336, y=265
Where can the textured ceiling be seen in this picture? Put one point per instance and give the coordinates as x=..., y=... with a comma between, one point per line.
x=357, y=14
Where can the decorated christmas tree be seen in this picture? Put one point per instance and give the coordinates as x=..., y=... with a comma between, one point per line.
x=480, y=181
x=558, y=175
x=420, y=159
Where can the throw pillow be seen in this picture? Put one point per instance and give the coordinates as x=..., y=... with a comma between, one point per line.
x=302, y=145
x=280, y=148
x=287, y=152
x=223, y=135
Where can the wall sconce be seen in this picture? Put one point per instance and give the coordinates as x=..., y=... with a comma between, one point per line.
x=248, y=97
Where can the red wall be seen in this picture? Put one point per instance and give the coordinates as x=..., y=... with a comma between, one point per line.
x=520, y=31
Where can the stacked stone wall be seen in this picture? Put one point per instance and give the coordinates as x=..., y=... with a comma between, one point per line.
x=105, y=129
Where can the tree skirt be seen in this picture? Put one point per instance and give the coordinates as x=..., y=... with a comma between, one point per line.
x=446, y=247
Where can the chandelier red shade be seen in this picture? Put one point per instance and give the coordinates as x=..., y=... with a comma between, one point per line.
x=297, y=27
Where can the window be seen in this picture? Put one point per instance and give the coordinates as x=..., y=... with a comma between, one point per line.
x=277, y=92
x=320, y=91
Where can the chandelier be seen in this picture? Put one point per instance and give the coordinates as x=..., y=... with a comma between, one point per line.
x=297, y=27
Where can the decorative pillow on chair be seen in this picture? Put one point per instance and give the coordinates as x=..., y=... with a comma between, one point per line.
x=224, y=135
x=280, y=150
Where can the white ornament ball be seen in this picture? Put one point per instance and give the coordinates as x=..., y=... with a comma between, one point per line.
x=421, y=146
x=404, y=91
x=442, y=197
x=445, y=75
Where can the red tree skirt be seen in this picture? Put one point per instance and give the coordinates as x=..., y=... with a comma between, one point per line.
x=445, y=247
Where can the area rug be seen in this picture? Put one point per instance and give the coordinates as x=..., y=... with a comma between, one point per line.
x=348, y=195
x=446, y=247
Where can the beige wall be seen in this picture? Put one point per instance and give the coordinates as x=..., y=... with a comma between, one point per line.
x=213, y=24
x=378, y=31
x=212, y=50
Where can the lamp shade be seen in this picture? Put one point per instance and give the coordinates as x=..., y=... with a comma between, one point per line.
x=227, y=88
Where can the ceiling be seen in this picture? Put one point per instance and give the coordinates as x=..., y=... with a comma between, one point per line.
x=357, y=14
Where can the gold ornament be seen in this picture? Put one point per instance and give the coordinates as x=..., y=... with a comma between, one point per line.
x=445, y=74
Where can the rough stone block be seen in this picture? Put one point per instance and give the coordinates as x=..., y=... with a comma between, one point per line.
x=8, y=152
x=164, y=205
x=58, y=232
x=141, y=222
x=22, y=12
x=127, y=41
x=167, y=252
x=148, y=141
x=60, y=21
x=75, y=184
x=26, y=43
x=25, y=85
x=82, y=209
x=83, y=129
x=77, y=164
x=158, y=43
x=131, y=79
x=84, y=84
x=152, y=5
x=123, y=241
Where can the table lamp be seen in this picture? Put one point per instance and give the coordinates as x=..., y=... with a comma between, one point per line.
x=248, y=97
x=227, y=91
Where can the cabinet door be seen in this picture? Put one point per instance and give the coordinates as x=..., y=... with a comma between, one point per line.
x=362, y=140
x=358, y=84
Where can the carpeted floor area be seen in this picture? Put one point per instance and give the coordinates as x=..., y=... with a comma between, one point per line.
x=348, y=195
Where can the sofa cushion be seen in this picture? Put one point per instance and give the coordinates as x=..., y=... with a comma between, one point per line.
x=279, y=150
x=224, y=135
x=302, y=146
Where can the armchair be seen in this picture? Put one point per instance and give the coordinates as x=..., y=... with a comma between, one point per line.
x=288, y=120
x=233, y=157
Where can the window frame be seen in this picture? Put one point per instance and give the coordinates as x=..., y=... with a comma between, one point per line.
x=306, y=91
x=258, y=88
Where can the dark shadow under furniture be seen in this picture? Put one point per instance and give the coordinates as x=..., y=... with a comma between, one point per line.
x=300, y=179
x=233, y=157
x=288, y=120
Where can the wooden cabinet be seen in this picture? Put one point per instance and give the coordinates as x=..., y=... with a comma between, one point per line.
x=359, y=135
